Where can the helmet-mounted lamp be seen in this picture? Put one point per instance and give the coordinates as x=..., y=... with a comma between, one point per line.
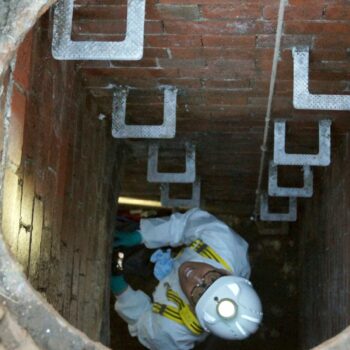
x=226, y=308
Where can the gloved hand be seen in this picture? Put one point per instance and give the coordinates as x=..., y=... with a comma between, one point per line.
x=163, y=263
x=118, y=284
x=127, y=239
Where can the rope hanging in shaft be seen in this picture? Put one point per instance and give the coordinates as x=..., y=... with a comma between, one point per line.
x=276, y=56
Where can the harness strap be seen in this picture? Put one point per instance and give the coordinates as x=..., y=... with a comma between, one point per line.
x=205, y=250
x=181, y=314
x=167, y=311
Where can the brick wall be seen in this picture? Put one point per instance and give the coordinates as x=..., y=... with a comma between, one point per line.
x=219, y=55
x=61, y=181
x=324, y=242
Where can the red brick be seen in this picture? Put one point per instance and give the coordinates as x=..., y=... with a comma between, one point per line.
x=174, y=12
x=99, y=13
x=220, y=27
x=173, y=41
x=155, y=52
x=92, y=81
x=181, y=83
x=242, y=11
x=217, y=71
x=299, y=27
x=332, y=41
x=212, y=53
x=146, y=62
x=288, y=41
x=23, y=62
x=329, y=87
x=16, y=129
x=99, y=2
x=329, y=55
x=226, y=84
x=239, y=66
x=217, y=2
x=178, y=63
x=304, y=11
x=236, y=41
x=302, y=2
x=336, y=12
x=133, y=72
x=188, y=53
x=225, y=98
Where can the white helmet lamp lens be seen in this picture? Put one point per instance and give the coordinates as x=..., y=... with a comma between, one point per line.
x=226, y=308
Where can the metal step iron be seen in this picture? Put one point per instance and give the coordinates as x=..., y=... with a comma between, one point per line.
x=302, y=98
x=131, y=48
x=181, y=203
x=266, y=215
x=322, y=158
x=277, y=191
x=165, y=130
x=153, y=175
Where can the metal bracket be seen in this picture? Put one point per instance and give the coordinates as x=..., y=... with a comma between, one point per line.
x=302, y=99
x=275, y=190
x=181, y=203
x=322, y=158
x=265, y=215
x=131, y=48
x=186, y=177
x=166, y=130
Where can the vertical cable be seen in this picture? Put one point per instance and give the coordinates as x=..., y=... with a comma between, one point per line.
x=269, y=102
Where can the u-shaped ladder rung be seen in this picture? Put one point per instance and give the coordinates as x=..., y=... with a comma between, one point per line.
x=163, y=131
x=265, y=215
x=131, y=48
x=322, y=158
x=277, y=191
x=193, y=202
x=302, y=98
x=153, y=175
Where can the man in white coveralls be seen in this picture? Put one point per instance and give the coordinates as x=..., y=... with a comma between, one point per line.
x=204, y=289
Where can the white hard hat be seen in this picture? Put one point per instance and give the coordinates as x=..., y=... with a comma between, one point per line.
x=230, y=308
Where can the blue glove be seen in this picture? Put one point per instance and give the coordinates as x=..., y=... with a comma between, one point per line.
x=127, y=239
x=163, y=263
x=118, y=284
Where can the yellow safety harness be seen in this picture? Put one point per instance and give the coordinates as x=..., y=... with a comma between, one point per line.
x=208, y=252
x=183, y=314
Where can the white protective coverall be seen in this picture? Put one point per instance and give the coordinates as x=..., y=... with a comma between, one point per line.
x=155, y=331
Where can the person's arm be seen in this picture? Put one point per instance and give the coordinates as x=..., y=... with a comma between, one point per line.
x=152, y=330
x=179, y=229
